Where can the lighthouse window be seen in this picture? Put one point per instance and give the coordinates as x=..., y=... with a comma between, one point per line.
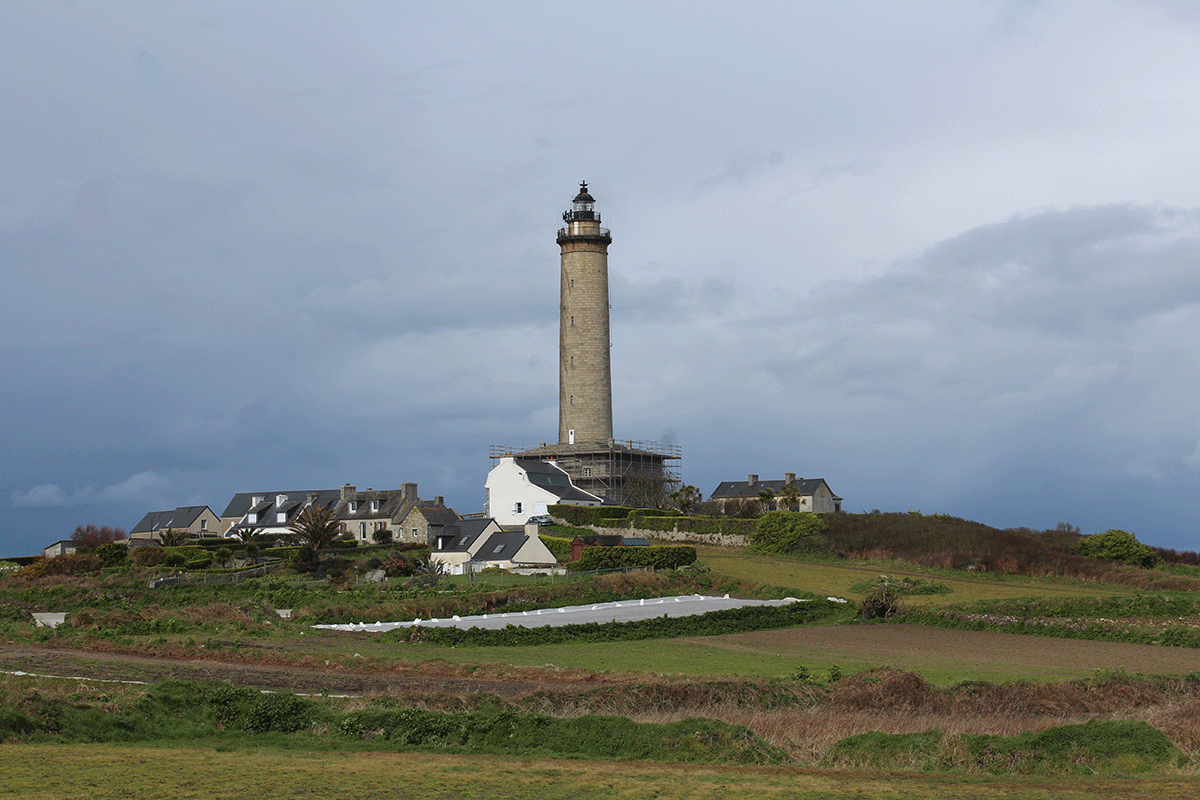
x=572, y=320
x=572, y=361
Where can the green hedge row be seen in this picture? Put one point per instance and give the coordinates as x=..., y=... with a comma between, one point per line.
x=559, y=547
x=733, y=620
x=661, y=557
x=652, y=520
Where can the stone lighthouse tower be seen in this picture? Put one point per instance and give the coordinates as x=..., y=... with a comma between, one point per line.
x=584, y=369
x=627, y=472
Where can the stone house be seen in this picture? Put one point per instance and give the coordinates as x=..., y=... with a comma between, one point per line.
x=196, y=521
x=813, y=494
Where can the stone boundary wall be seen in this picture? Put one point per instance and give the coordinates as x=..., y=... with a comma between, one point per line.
x=681, y=537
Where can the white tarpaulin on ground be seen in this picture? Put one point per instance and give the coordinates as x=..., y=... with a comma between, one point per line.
x=622, y=611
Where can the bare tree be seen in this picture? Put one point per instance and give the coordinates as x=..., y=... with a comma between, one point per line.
x=91, y=536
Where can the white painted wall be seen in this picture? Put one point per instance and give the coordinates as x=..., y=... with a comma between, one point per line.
x=511, y=498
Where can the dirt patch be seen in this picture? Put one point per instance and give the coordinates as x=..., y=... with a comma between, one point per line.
x=331, y=679
x=919, y=648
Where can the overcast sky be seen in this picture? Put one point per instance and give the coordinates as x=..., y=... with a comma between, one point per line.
x=944, y=255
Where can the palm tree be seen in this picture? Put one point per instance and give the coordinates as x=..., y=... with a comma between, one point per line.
x=685, y=497
x=429, y=570
x=316, y=526
x=173, y=538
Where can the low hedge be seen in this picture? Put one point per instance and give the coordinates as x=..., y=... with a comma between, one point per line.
x=732, y=620
x=658, y=557
x=560, y=548
x=604, y=516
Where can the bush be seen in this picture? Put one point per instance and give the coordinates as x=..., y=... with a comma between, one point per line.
x=113, y=554
x=68, y=564
x=382, y=536
x=175, y=560
x=284, y=713
x=1118, y=545
x=784, y=531
x=150, y=556
x=882, y=602
x=307, y=560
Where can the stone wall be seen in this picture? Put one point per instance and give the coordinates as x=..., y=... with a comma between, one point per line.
x=680, y=537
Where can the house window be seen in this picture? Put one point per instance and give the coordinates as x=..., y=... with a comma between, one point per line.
x=362, y=530
x=281, y=517
x=516, y=508
x=353, y=506
x=587, y=472
x=374, y=505
x=499, y=547
x=252, y=518
x=203, y=524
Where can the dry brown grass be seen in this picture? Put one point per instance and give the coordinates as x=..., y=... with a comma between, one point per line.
x=808, y=720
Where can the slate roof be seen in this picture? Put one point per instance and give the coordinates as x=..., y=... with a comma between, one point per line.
x=181, y=517
x=437, y=515
x=241, y=502
x=501, y=546
x=731, y=489
x=553, y=479
x=606, y=540
x=460, y=537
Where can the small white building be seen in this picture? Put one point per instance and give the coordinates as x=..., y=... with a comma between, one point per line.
x=518, y=489
x=475, y=544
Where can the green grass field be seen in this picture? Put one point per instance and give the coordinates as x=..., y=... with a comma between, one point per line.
x=108, y=772
x=836, y=578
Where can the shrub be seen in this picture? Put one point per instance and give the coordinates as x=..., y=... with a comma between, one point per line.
x=284, y=713
x=382, y=536
x=784, y=531
x=113, y=554
x=175, y=560
x=1118, y=545
x=150, y=556
x=307, y=559
x=68, y=564
x=882, y=602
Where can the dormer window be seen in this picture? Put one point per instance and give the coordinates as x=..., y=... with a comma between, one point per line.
x=280, y=499
x=374, y=505
x=353, y=506
x=252, y=518
x=280, y=517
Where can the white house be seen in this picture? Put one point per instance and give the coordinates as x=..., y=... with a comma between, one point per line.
x=475, y=544
x=519, y=488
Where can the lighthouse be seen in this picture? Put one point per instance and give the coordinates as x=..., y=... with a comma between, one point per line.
x=629, y=472
x=584, y=346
